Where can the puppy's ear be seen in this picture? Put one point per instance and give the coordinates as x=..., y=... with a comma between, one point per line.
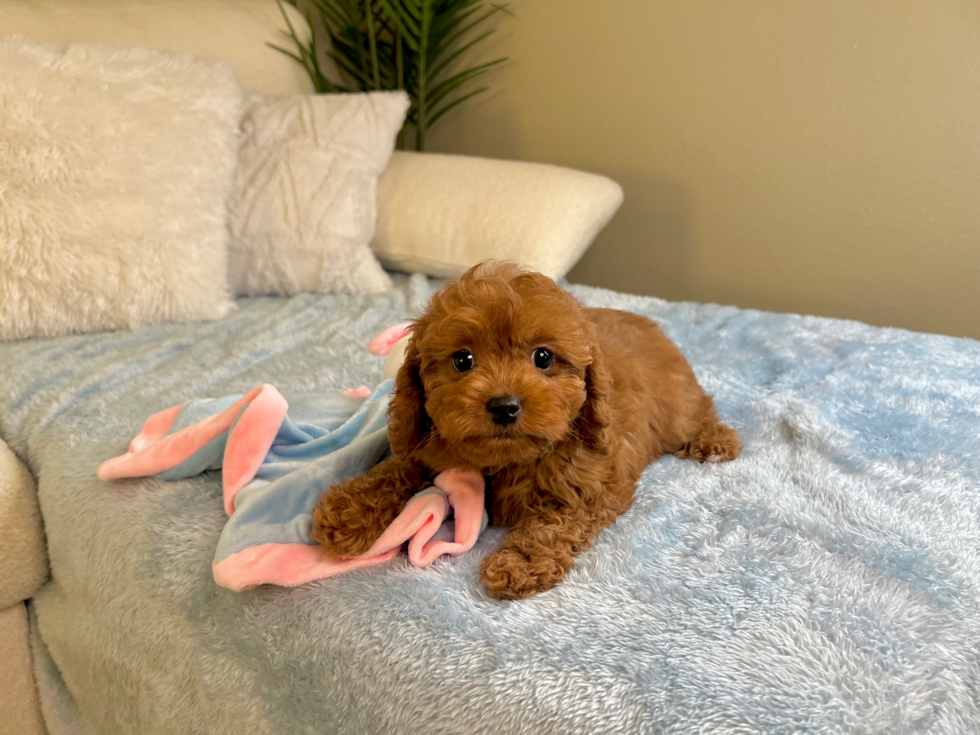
x=593, y=421
x=408, y=423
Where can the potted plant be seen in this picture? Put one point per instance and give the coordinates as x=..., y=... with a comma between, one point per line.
x=414, y=45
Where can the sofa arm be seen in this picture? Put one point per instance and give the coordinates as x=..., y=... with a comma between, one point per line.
x=23, y=556
x=20, y=710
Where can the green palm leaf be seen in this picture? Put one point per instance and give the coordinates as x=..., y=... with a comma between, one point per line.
x=436, y=115
x=413, y=45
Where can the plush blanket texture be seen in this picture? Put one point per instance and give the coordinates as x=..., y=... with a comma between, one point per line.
x=826, y=581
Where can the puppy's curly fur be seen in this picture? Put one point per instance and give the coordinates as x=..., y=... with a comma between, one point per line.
x=616, y=396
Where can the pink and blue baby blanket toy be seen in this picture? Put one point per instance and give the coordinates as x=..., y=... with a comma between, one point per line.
x=276, y=458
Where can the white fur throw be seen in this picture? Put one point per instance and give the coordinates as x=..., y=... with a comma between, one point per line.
x=442, y=214
x=115, y=170
x=304, y=210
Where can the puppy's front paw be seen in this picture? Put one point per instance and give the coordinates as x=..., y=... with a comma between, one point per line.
x=343, y=526
x=510, y=575
x=718, y=443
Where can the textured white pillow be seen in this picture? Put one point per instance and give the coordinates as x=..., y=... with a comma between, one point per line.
x=442, y=214
x=304, y=208
x=115, y=170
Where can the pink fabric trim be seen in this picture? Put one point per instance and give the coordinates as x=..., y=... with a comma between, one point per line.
x=153, y=451
x=420, y=519
x=156, y=426
x=153, y=428
x=418, y=522
x=286, y=565
x=382, y=344
x=289, y=565
x=465, y=492
x=250, y=441
x=362, y=391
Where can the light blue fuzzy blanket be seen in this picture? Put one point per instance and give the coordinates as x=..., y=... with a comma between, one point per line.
x=826, y=581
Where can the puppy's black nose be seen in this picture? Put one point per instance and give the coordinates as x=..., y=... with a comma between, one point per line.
x=504, y=409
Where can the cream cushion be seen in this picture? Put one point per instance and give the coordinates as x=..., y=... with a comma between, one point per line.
x=23, y=554
x=20, y=711
x=234, y=30
x=441, y=214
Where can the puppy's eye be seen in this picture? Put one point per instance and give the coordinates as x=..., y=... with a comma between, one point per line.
x=463, y=361
x=543, y=359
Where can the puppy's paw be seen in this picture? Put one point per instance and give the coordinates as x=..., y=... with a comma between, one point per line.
x=719, y=443
x=510, y=575
x=344, y=527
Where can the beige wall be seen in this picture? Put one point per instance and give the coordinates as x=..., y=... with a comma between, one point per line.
x=815, y=156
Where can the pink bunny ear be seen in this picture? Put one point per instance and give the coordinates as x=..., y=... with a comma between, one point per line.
x=382, y=344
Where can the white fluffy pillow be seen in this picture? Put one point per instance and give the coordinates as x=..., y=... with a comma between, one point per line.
x=442, y=214
x=304, y=208
x=115, y=170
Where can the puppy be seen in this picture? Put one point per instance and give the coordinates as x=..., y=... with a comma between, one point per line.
x=560, y=407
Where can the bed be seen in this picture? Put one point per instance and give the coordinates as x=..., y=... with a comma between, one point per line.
x=826, y=581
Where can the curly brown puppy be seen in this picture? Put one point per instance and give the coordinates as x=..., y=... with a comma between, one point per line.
x=560, y=407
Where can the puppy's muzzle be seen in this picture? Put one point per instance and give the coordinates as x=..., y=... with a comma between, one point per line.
x=504, y=410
